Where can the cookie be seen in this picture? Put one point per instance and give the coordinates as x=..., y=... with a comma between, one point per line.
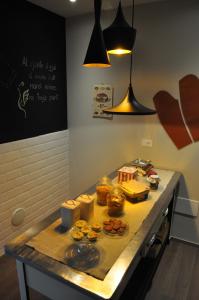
x=108, y=228
x=80, y=223
x=85, y=229
x=96, y=227
x=92, y=236
x=114, y=226
x=77, y=235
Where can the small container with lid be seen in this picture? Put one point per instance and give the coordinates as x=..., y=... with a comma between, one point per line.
x=154, y=181
x=116, y=200
x=86, y=206
x=103, y=187
x=70, y=213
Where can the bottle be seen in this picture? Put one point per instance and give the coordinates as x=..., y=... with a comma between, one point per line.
x=115, y=201
x=103, y=187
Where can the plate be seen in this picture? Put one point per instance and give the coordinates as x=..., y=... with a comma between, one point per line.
x=84, y=238
x=117, y=231
x=82, y=256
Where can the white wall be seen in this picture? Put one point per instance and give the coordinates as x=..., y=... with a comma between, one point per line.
x=97, y=145
x=167, y=49
x=34, y=175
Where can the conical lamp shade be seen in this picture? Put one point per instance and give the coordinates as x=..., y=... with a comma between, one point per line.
x=119, y=37
x=130, y=106
x=96, y=55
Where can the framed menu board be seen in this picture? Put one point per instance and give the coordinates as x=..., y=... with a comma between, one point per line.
x=32, y=71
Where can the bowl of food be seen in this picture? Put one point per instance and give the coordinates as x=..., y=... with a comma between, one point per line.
x=115, y=227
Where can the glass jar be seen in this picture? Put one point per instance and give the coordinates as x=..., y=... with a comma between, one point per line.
x=103, y=187
x=116, y=200
x=154, y=181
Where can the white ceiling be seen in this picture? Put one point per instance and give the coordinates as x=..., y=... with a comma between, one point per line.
x=66, y=8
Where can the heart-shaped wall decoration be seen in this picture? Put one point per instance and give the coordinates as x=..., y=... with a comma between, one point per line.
x=180, y=118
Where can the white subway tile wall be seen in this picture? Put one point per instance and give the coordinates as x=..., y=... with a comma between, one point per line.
x=34, y=175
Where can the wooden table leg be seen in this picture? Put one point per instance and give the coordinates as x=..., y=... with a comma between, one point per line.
x=23, y=287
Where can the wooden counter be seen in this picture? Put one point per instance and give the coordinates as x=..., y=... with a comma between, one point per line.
x=58, y=281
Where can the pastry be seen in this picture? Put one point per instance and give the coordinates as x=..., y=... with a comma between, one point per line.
x=114, y=226
x=85, y=229
x=121, y=230
x=106, y=222
x=108, y=228
x=96, y=227
x=92, y=236
x=123, y=225
x=77, y=235
x=80, y=223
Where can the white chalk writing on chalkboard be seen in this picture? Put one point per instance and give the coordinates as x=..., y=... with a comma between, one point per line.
x=40, y=77
x=53, y=97
x=33, y=65
x=23, y=97
x=35, y=86
x=42, y=80
x=51, y=67
x=42, y=98
x=50, y=87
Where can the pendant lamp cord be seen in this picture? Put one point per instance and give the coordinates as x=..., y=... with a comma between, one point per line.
x=132, y=22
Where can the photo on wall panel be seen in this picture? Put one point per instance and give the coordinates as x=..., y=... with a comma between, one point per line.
x=102, y=99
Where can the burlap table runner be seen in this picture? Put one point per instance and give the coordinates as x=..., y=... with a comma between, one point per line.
x=54, y=244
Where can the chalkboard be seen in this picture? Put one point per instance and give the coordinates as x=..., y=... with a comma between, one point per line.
x=32, y=71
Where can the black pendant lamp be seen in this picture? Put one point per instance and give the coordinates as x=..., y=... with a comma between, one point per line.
x=119, y=36
x=96, y=55
x=129, y=104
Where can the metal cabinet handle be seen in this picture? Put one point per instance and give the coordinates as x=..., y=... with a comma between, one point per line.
x=151, y=241
x=165, y=213
x=148, y=245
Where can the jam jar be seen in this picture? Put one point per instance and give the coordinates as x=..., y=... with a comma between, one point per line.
x=115, y=201
x=154, y=181
x=103, y=187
